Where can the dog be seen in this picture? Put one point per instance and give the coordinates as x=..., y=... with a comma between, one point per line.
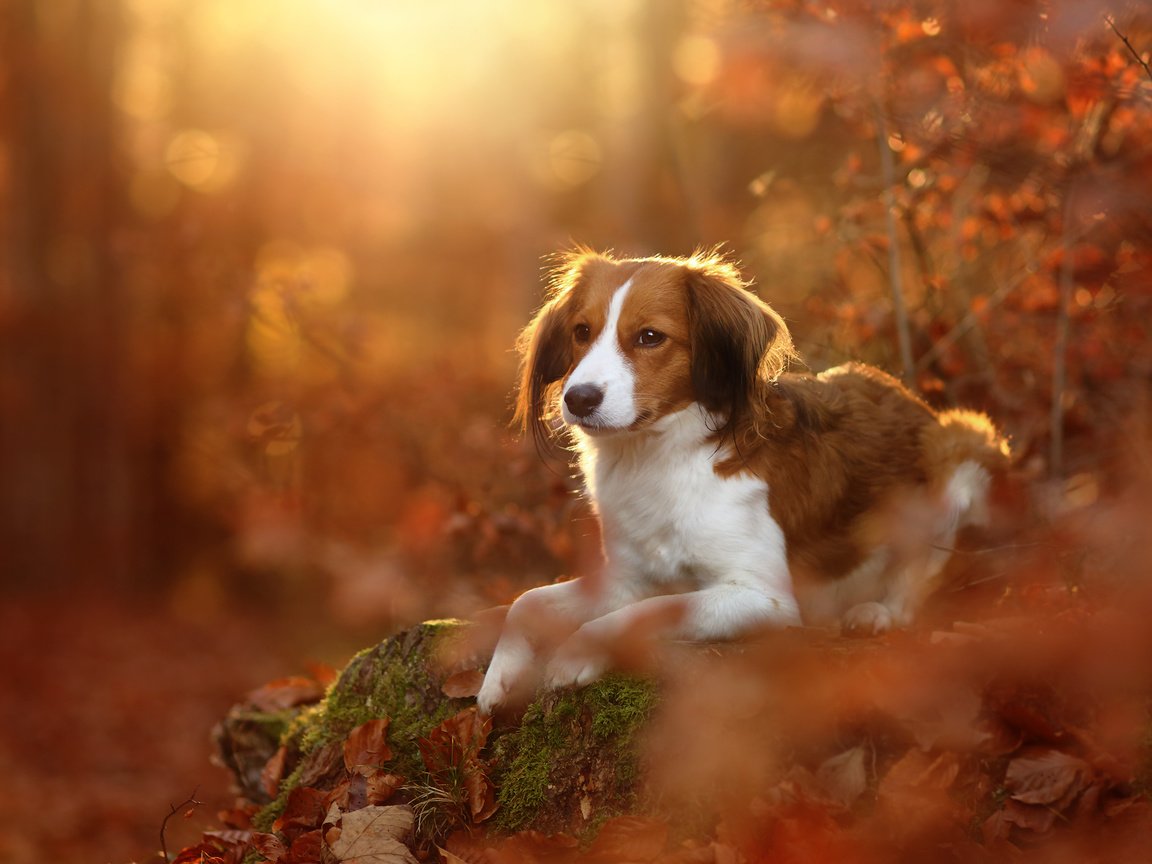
x=732, y=495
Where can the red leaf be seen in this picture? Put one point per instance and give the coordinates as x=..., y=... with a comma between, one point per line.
x=367, y=745
x=285, y=693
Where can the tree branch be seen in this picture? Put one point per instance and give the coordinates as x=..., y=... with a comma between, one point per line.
x=173, y=810
x=895, y=274
x=1131, y=48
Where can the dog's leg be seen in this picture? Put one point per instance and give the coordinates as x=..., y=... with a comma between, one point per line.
x=922, y=554
x=538, y=620
x=721, y=612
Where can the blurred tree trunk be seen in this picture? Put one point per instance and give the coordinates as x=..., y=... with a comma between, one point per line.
x=76, y=495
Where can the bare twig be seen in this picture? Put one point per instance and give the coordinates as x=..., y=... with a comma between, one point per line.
x=970, y=319
x=173, y=810
x=895, y=274
x=1131, y=48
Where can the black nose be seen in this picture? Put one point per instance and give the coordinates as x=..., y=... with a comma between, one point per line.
x=583, y=399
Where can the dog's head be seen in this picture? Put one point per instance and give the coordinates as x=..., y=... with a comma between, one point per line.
x=621, y=343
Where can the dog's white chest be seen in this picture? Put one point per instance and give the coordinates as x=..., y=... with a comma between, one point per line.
x=669, y=520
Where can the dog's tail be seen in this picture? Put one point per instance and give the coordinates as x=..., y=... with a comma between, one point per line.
x=963, y=453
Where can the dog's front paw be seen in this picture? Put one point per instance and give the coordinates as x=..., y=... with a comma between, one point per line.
x=494, y=692
x=867, y=619
x=579, y=661
x=509, y=679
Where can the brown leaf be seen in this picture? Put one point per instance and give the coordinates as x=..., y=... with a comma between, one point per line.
x=320, y=764
x=303, y=811
x=349, y=794
x=451, y=753
x=1045, y=776
x=305, y=849
x=201, y=853
x=273, y=772
x=239, y=816
x=919, y=770
x=285, y=693
x=481, y=793
x=268, y=845
x=628, y=838
x=844, y=778
x=913, y=797
x=367, y=745
x=462, y=685
x=374, y=835
x=381, y=785
x=1029, y=817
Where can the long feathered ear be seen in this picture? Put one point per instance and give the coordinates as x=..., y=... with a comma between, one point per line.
x=737, y=340
x=545, y=350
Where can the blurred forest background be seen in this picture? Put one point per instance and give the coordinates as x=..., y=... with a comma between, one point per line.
x=262, y=265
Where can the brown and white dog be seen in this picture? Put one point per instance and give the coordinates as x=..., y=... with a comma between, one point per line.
x=731, y=495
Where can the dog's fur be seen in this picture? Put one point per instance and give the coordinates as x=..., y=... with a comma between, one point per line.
x=732, y=495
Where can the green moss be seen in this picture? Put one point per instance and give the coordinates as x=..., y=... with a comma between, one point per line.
x=537, y=764
x=533, y=758
x=393, y=680
x=619, y=706
x=529, y=754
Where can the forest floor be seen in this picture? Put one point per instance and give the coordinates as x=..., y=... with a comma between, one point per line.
x=106, y=712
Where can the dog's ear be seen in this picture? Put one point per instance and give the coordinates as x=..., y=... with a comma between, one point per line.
x=737, y=339
x=545, y=347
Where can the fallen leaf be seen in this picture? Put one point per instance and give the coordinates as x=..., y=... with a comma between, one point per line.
x=304, y=810
x=268, y=845
x=447, y=857
x=273, y=772
x=381, y=786
x=367, y=746
x=239, y=816
x=451, y=753
x=373, y=836
x=285, y=693
x=844, y=778
x=1045, y=776
x=913, y=797
x=320, y=765
x=305, y=849
x=462, y=685
x=1030, y=817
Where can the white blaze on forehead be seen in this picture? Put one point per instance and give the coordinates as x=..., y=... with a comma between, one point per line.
x=606, y=367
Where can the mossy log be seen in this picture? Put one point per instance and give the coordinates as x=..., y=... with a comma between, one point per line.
x=567, y=765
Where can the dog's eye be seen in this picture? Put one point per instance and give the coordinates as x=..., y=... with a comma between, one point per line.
x=581, y=332
x=649, y=338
